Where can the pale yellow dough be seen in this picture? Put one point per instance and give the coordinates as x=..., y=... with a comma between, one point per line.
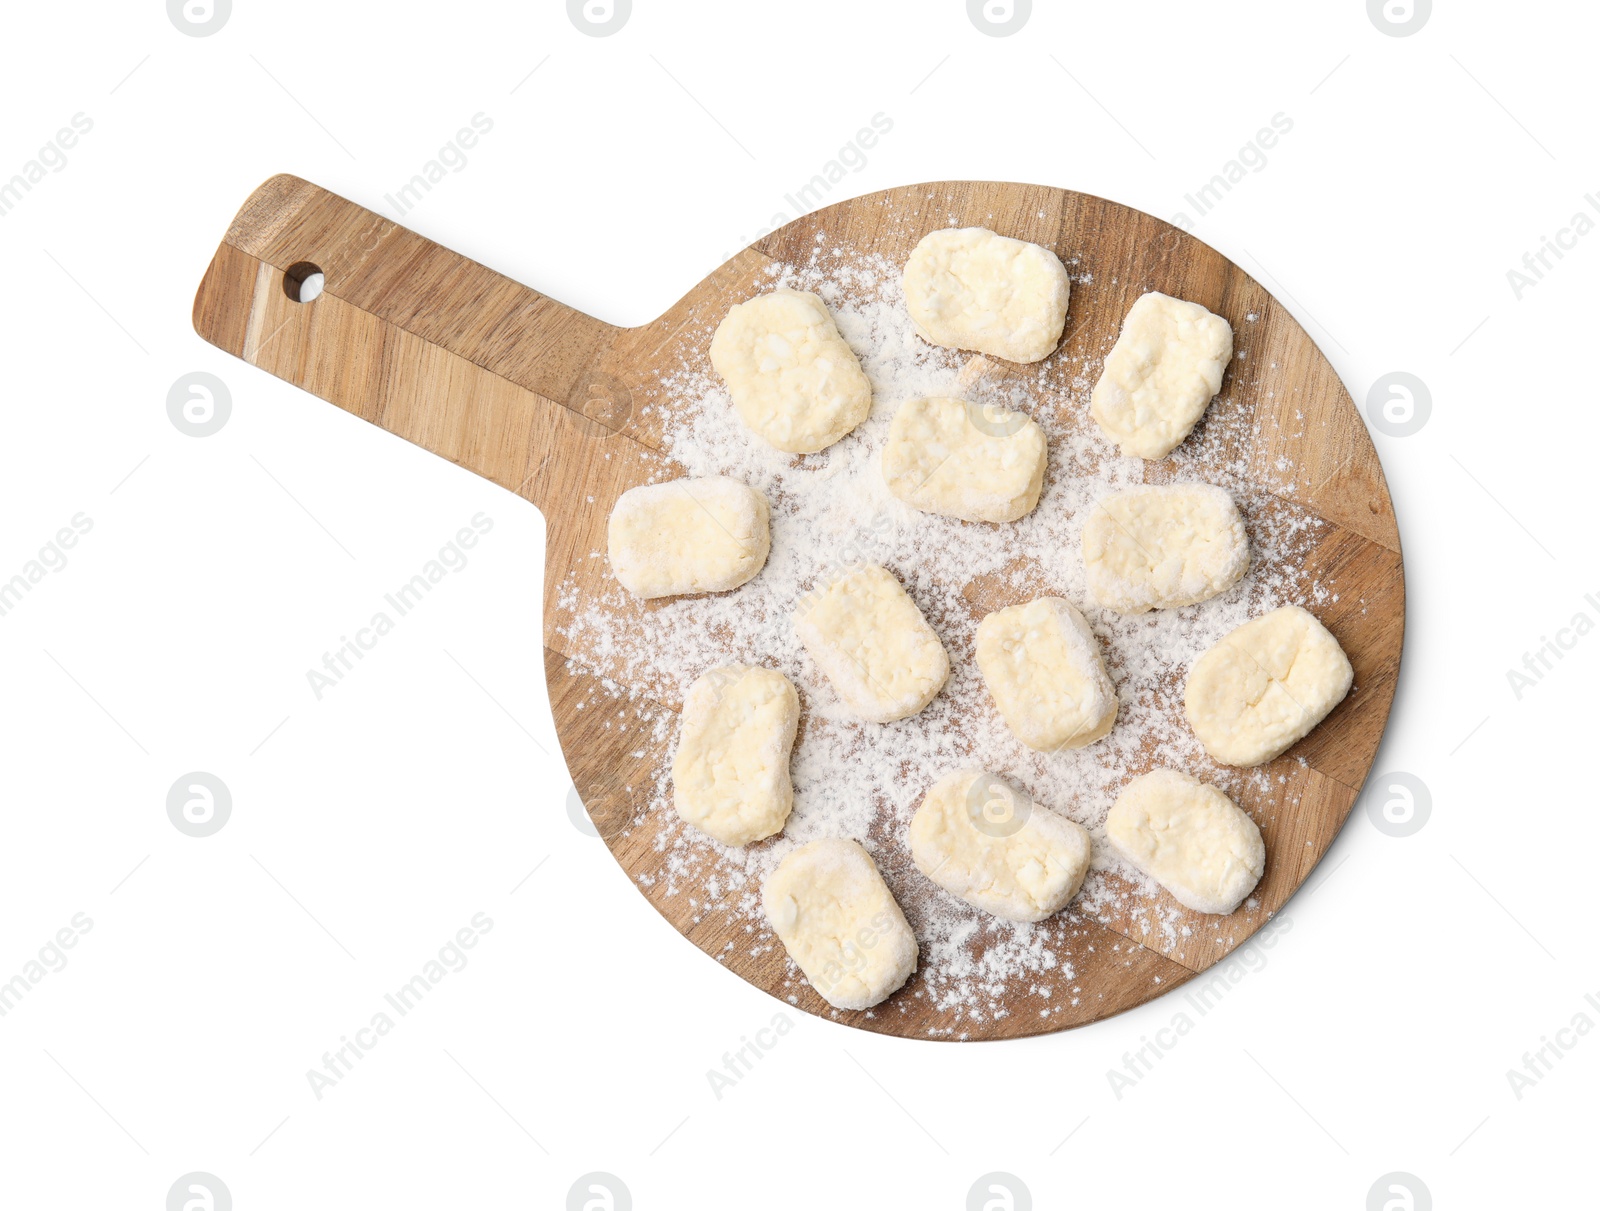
x=1263, y=686
x=973, y=461
x=1043, y=668
x=1160, y=375
x=871, y=641
x=730, y=774
x=1190, y=838
x=688, y=536
x=968, y=288
x=839, y=922
x=793, y=379
x=1160, y=546
x=987, y=843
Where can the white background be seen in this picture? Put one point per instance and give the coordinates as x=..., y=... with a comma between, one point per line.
x=368, y=827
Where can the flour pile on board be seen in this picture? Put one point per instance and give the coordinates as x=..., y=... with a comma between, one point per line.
x=864, y=780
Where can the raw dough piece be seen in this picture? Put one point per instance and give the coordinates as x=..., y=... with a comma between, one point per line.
x=1161, y=374
x=1157, y=547
x=968, y=288
x=688, y=536
x=837, y=919
x=1265, y=685
x=868, y=636
x=974, y=461
x=1042, y=665
x=730, y=775
x=986, y=843
x=1190, y=838
x=792, y=377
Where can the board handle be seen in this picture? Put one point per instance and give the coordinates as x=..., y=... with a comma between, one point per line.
x=422, y=341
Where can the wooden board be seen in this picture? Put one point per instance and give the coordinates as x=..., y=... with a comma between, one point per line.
x=568, y=412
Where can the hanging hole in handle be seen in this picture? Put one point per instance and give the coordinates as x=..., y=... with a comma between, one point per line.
x=302, y=281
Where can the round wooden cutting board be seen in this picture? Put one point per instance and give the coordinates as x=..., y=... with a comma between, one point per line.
x=569, y=412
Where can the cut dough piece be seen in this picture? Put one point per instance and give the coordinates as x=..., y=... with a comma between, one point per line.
x=1265, y=685
x=1042, y=665
x=1190, y=838
x=986, y=843
x=869, y=638
x=1158, y=547
x=837, y=919
x=968, y=288
x=1161, y=374
x=792, y=377
x=974, y=461
x=730, y=775
x=688, y=536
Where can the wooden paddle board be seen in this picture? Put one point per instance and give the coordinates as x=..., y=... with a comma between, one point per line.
x=568, y=412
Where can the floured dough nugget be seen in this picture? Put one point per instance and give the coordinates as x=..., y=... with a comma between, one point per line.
x=792, y=377
x=730, y=775
x=974, y=461
x=688, y=536
x=1161, y=546
x=986, y=843
x=1161, y=374
x=1042, y=665
x=968, y=288
x=1190, y=838
x=1265, y=685
x=869, y=638
x=837, y=919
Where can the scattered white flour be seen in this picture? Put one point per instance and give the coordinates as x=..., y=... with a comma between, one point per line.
x=864, y=780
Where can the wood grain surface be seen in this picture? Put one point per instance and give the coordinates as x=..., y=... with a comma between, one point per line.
x=568, y=412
